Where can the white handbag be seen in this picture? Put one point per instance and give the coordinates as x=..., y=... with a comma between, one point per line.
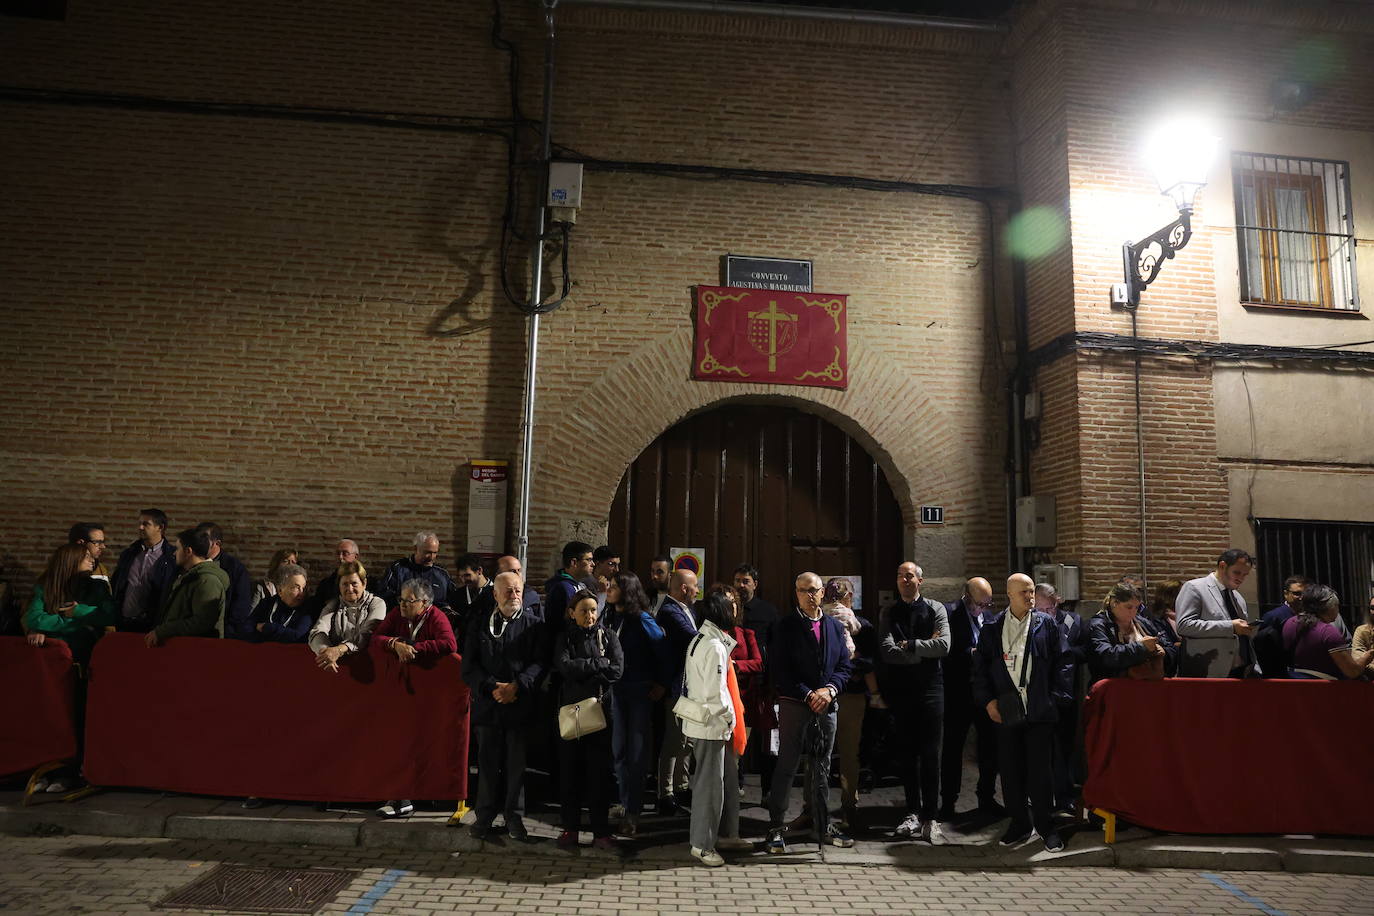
x=584, y=717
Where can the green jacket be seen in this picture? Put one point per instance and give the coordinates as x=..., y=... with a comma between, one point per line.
x=94, y=611
x=194, y=603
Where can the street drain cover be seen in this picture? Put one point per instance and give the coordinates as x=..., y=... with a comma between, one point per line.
x=255, y=889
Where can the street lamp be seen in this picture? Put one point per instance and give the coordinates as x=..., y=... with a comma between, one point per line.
x=1179, y=153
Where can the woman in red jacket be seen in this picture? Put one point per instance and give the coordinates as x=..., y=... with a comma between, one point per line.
x=748, y=659
x=415, y=630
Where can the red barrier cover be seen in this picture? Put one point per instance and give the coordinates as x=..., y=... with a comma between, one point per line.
x=39, y=689
x=223, y=717
x=1230, y=756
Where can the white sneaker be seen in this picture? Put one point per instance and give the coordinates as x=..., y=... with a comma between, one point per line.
x=932, y=833
x=910, y=826
x=733, y=843
x=401, y=808
x=41, y=784
x=708, y=857
x=616, y=812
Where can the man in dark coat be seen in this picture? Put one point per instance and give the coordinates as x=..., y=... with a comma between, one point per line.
x=502, y=662
x=967, y=617
x=1022, y=665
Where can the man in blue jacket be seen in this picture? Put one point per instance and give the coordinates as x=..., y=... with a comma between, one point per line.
x=679, y=627
x=1021, y=675
x=810, y=667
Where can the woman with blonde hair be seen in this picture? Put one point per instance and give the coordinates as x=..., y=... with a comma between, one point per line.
x=346, y=623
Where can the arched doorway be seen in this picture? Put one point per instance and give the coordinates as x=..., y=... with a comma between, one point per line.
x=770, y=485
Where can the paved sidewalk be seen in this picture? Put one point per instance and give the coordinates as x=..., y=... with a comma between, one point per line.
x=42, y=875
x=663, y=840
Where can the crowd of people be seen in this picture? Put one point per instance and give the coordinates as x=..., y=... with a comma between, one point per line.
x=662, y=681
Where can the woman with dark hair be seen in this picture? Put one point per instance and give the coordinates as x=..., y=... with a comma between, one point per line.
x=862, y=641
x=712, y=716
x=68, y=603
x=1161, y=611
x=266, y=587
x=590, y=661
x=748, y=661
x=632, y=697
x=1317, y=648
x=1364, y=637
x=1123, y=643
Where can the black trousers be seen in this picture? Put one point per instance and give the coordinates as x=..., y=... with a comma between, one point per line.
x=918, y=723
x=1066, y=758
x=1024, y=754
x=961, y=713
x=501, y=770
x=584, y=768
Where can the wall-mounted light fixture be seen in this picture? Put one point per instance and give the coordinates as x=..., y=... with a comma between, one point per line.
x=1179, y=153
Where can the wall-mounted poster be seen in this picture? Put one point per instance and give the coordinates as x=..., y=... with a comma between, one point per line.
x=692, y=559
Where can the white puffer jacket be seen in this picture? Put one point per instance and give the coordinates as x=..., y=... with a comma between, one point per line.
x=707, y=659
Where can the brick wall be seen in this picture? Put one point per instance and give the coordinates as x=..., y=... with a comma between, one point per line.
x=296, y=329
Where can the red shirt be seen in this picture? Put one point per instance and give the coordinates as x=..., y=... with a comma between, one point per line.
x=432, y=637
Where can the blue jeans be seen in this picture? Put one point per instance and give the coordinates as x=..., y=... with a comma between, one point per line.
x=630, y=740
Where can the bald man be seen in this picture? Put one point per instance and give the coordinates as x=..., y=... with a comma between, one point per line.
x=1021, y=676
x=679, y=629
x=967, y=617
x=529, y=599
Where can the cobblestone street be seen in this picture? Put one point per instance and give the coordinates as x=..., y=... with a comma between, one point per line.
x=112, y=875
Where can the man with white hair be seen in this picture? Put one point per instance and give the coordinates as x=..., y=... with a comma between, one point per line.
x=530, y=598
x=810, y=667
x=503, y=659
x=420, y=565
x=679, y=629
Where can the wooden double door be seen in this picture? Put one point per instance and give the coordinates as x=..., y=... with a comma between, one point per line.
x=784, y=490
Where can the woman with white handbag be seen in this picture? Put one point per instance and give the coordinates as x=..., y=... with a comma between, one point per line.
x=588, y=657
x=712, y=717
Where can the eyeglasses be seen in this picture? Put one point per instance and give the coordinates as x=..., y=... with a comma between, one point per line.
x=810, y=591
x=411, y=601
x=101, y=541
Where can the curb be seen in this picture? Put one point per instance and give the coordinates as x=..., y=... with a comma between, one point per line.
x=1291, y=854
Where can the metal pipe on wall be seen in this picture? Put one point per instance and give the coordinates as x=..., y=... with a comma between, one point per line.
x=522, y=539
x=782, y=11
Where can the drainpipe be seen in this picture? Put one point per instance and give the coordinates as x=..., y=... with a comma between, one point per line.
x=522, y=540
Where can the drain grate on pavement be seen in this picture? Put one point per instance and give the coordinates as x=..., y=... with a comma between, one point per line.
x=257, y=889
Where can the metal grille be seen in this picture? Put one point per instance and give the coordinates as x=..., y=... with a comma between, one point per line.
x=256, y=889
x=1295, y=231
x=1338, y=554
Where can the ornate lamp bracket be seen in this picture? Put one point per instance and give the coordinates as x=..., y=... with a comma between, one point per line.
x=1143, y=259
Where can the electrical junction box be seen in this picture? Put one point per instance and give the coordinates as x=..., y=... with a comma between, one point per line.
x=1065, y=579
x=565, y=184
x=1035, y=521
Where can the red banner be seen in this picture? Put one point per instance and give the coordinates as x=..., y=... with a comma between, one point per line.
x=40, y=684
x=771, y=336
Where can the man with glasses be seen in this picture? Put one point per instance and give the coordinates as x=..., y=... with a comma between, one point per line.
x=810, y=667
x=91, y=535
x=967, y=617
x=1274, y=660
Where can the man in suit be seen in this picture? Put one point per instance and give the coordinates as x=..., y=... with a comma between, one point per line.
x=679, y=627
x=1023, y=655
x=810, y=667
x=967, y=617
x=1212, y=621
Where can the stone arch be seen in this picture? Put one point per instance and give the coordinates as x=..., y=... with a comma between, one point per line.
x=635, y=400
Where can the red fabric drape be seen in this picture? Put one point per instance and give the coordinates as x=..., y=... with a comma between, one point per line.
x=38, y=685
x=1230, y=756
x=222, y=717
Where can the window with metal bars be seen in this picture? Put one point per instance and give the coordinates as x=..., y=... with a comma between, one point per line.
x=1295, y=231
x=1338, y=554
